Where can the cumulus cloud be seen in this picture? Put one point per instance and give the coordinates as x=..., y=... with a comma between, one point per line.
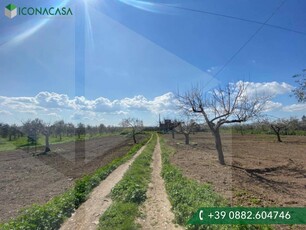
x=271, y=105
x=50, y=101
x=53, y=100
x=271, y=89
x=164, y=103
x=79, y=108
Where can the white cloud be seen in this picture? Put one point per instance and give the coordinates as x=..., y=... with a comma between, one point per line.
x=271, y=89
x=164, y=103
x=271, y=105
x=60, y=106
x=295, y=108
x=54, y=104
x=81, y=115
x=54, y=100
x=211, y=69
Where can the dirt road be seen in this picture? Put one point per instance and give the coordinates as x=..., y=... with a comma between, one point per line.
x=157, y=208
x=87, y=215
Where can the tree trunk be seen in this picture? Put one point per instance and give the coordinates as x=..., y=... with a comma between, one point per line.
x=172, y=134
x=186, y=138
x=241, y=130
x=277, y=132
x=47, y=148
x=219, y=146
x=134, y=137
x=278, y=137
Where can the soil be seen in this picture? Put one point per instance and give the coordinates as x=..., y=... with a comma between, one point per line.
x=88, y=214
x=27, y=179
x=157, y=208
x=259, y=170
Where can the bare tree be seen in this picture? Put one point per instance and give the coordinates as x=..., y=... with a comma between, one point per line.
x=185, y=127
x=222, y=106
x=300, y=90
x=46, y=131
x=278, y=126
x=135, y=124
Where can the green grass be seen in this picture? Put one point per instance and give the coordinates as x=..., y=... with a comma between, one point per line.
x=6, y=145
x=53, y=213
x=120, y=215
x=129, y=193
x=187, y=196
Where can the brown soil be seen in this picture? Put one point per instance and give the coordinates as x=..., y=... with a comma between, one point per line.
x=157, y=208
x=27, y=179
x=87, y=215
x=259, y=170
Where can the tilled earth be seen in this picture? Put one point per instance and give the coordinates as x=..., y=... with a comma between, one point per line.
x=259, y=170
x=27, y=179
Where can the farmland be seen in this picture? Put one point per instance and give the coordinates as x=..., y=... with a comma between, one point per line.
x=259, y=171
x=28, y=179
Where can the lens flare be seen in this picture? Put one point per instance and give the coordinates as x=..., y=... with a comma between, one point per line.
x=149, y=6
x=27, y=28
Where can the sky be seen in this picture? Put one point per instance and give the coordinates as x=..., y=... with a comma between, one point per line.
x=114, y=59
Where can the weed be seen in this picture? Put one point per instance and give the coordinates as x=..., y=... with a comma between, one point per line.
x=187, y=196
x=129, y=193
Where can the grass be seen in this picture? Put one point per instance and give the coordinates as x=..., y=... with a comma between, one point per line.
x=6, y=145
x=129, y=193
x=53, y=213
x=187, y=196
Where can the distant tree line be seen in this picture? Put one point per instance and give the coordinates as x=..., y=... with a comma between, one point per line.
x=32, y=130
x=290, y=126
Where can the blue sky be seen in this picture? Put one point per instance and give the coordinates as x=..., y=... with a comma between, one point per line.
x=119, y=58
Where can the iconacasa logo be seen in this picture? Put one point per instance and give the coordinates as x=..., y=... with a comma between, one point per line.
x=12, y=11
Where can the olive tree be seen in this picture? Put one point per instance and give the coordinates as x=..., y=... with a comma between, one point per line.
x=59, y=128
x=32, y=128
x=220, y=106
x=80, y=130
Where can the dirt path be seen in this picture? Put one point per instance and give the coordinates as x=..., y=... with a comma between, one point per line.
x=87, y=215
x=157, y=207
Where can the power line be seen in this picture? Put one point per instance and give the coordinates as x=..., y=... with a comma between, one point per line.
x=248, y=41
x=235, y=18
